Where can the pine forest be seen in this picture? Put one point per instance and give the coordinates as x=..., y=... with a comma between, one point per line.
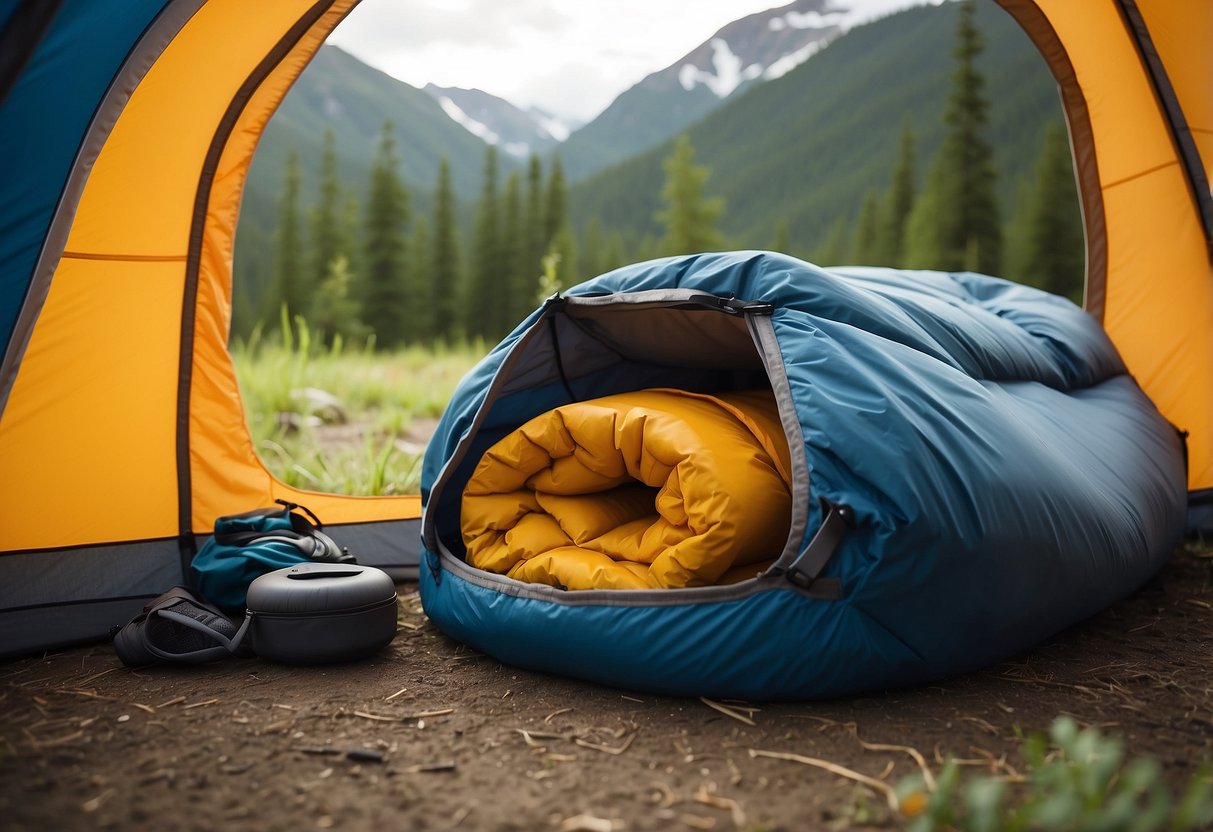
x=393, y=261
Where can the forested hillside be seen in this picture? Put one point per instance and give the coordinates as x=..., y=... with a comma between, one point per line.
x=803, y=151
x=427, y=234
x=337, y=93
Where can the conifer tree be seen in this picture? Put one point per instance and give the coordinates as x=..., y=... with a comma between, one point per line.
x=779, y=241
x=535, y=245
x=689, y=217
x=834, y=249
x=514, y=273
x=486, y=290
x=592, y=249
x=558, y=237
x=1015, y=238
x=564, y=246
x=385, y=302
x=555, y=214
x=326, y=216
x=613, y=256
x=867, y=230
x=444, y=278
x=1055, y=251
x=351, y=231
x=334, y=311
x=291, y=284
x=897, y=204
x=420, y=271
x=957, y=225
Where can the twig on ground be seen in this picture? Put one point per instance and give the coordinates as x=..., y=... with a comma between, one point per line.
x=430, y=768
x=526, y=736
x=726, y=710
x=589, y=823
x=377, y=717
x=402, y=717
x=982, y=724
x=708, y=797
x=842, y=771
x=605, y=749
x=927, y=777
x=202, y=704
x=83, y=682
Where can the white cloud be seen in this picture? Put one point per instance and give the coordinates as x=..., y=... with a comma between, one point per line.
x=570, y=57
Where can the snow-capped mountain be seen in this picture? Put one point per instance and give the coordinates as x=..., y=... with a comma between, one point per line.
x=763, y=45
x=515, y=131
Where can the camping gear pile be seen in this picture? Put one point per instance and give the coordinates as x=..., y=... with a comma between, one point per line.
x=304, y=599
x=972, y=469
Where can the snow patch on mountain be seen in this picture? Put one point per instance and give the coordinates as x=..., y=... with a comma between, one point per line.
x=807, y=20
x=726, y=74
x=470, y=124
x=550, y=124
x=792, y=60
x=762, y=45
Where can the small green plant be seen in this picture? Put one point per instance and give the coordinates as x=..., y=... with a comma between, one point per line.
x=1078, y=782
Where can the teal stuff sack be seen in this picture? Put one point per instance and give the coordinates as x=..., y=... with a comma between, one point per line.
x=247, y=546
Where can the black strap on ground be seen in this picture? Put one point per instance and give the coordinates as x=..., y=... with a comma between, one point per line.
x=836, y=521
x=20, y=38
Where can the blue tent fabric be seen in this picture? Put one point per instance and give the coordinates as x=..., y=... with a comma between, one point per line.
x=1007, y=476
x=54, y=101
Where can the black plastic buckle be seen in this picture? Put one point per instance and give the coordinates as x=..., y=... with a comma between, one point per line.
x=734, y=306
x=836, y=521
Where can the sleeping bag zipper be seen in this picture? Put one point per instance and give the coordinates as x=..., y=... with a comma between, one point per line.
x=799, y=563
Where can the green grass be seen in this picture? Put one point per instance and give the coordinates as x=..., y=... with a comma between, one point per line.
x=369, y=439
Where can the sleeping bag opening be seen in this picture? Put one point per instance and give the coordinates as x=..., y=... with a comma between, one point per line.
x=627, y=445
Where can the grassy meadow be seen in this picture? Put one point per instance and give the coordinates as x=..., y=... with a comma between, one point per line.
x=341, y=417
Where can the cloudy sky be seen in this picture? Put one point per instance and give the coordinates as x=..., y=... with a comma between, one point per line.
x=571, y=57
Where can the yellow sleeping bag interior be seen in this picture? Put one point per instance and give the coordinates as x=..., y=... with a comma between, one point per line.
x=644, y=490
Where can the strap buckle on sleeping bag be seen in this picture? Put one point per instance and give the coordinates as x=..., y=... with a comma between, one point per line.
x=836, y=520
x=734, y=306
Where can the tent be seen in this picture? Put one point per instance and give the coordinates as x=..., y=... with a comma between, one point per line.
x=126, y=133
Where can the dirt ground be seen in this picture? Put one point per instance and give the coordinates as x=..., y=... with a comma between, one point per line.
x=432, y=735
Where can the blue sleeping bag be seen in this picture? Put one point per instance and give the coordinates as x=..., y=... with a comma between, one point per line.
x=973, y=471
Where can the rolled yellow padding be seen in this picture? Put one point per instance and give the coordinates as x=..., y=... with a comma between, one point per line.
x=643, y=490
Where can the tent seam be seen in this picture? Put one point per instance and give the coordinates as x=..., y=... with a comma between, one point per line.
x=210, y=165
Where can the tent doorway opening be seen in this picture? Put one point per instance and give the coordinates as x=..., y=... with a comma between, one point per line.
x=311, y=294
